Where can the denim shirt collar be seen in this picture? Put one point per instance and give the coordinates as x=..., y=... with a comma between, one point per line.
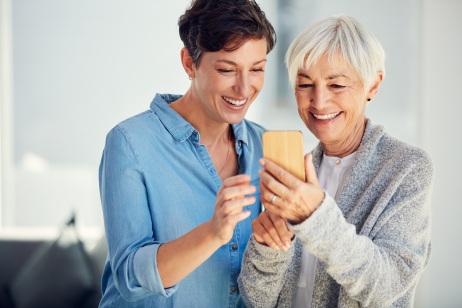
x=181, y=129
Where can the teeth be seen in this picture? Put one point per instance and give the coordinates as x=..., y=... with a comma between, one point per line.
x=325, y=116
x=234, y=102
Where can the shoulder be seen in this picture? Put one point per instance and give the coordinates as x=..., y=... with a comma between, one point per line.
x=379, y=147
x=398, y=162
x=137, y=120
x=405, y=154
x=150, y=119
x=134, y=124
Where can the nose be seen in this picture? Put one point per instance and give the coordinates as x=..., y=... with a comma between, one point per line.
x=243, y=85
x=319, y=97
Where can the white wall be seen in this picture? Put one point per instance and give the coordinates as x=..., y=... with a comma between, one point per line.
x=441, y=136
x=80, y=67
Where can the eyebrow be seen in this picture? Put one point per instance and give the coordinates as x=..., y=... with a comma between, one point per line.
x=234, y=63
x=330, y=77
x=303, y=75
x=337, y=76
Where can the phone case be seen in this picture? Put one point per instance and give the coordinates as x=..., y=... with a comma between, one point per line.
x=285, y=148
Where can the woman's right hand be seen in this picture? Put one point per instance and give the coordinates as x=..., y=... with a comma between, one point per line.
x=178, y=258
x=271, y=230
x=231, y=198
x=285, y=195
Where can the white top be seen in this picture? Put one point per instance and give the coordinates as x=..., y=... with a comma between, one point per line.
x=331, y=176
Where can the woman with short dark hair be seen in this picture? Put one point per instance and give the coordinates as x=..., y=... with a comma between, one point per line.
x=179, y=182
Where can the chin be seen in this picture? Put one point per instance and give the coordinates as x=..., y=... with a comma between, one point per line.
x=235, y=120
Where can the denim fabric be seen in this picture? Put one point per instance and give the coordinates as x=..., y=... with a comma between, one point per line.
x=158, y=182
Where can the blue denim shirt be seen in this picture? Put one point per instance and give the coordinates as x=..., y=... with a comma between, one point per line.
x=158, y=182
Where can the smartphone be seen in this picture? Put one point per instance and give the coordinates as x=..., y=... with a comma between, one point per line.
x=285, y=148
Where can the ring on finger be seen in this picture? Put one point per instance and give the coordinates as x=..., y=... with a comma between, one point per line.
x=273, y=198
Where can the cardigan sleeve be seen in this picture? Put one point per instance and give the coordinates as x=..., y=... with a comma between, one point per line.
x=268, y=277
x=378, y=264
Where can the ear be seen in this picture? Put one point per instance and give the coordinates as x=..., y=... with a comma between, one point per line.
x=375, y=86
x=188, y=63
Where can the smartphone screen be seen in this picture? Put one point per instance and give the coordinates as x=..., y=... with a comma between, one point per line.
x=285, y=148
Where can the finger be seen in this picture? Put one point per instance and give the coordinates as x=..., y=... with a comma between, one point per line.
x=279, y=173
x=275, y=231
x=268, y=196
x=237, y=192
x=274, y=209
x=232, y=220
x=271, y=199
x=260, y=233
x=236, y=180
x=283, y=231
x=310, y=171
x=269, y=186
x=235, y=206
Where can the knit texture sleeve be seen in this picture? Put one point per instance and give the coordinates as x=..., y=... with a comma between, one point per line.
x=377, y=262
x=268, y=277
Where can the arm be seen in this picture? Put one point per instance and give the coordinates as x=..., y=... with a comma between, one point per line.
x=142, y=266
x=379, y=263
x=382, y=263
x=180, y=257
x=268, y=277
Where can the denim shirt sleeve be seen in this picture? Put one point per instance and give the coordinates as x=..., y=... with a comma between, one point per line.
x=131, y=246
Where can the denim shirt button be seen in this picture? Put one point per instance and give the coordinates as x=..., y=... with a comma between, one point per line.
x=239, y=143
x=233, y=289
x=234, y=247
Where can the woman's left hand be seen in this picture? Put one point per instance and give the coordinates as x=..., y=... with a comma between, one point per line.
x=285, y=195
x=271, y=230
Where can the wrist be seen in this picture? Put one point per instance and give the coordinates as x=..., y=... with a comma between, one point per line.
x=320, y=196
x=211, y=235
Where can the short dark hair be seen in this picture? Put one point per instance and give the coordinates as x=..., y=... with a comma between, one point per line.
x=213, y=25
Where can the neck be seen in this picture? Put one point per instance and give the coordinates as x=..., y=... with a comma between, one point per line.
x=348, y=145
x=212, y=132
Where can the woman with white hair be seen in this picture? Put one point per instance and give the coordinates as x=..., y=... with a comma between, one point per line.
x=356, y=233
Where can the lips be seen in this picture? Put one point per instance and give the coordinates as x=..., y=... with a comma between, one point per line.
x=328, y=116
x=234, y=102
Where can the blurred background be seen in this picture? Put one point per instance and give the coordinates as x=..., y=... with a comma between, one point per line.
x=71, y=70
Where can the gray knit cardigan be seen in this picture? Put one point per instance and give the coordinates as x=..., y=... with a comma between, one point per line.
x=371, y=246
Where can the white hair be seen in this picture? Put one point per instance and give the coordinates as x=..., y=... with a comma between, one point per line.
x=338, y=34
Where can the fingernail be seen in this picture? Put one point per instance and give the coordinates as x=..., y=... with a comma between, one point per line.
x=261, y=161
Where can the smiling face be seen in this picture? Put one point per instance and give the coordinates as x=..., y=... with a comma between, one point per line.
x=226, y=83
x=331, y=102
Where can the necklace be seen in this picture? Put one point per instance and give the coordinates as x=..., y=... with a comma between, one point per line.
x=227, y=153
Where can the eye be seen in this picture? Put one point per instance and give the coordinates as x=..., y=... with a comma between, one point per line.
x=258, y=69
x=304, y=85
x=225, y=70
x=337, y=86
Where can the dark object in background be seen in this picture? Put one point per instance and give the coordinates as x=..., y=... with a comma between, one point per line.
x=58, y=274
